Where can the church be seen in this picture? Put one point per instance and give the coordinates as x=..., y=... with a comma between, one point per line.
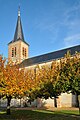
x=18, y=51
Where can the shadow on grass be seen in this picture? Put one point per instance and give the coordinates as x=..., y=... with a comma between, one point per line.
x=39, y=115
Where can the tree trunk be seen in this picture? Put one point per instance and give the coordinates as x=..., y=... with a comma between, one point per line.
x=55, y=102
x=8, y=104
x=77, y=102
x=20, y=102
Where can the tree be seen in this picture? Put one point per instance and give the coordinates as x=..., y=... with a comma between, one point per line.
x=30, y=82
x=62, y=75
x=70, y=73
x=12, y=82
x=2, y=61
x=46, y=80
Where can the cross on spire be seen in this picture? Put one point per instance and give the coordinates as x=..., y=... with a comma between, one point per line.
x=19, y=11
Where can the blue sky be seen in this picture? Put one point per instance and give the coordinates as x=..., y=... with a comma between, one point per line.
x=48, y=25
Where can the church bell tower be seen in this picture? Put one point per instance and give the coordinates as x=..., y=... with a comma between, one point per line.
x=18, y=47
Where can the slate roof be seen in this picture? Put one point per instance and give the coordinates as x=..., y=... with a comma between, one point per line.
x=49, y=56
x=19, y=31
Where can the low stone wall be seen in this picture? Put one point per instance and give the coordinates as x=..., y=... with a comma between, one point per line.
x=64, y=100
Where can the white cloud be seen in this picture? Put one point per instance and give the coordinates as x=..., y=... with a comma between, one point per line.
x=72, y=23
x=72, y=40
x=72, y=16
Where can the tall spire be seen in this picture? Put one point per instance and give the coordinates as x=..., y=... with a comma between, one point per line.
x=18, y=32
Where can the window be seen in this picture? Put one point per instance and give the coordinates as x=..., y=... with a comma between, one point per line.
x=15, y=51
x=12, y=52
x=25, y=52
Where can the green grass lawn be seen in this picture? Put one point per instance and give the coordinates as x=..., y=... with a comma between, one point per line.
x=40, y=115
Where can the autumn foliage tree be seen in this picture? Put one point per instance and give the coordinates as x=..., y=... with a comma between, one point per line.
x=2, y=61
x=69, y=76
x=62, y=75
x=30, y=83
x=46, y=79
x=12, y=82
